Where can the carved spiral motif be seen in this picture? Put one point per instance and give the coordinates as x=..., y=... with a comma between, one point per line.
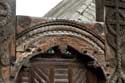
x=4, y=13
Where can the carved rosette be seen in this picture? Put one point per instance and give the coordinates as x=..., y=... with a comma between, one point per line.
x=115, y=35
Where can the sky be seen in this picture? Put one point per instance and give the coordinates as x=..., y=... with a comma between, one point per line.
x=37, y=8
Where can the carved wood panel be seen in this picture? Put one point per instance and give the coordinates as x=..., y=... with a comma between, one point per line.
x=56, y=71
x=64, y=34
x=115, y=35
x=7, y=37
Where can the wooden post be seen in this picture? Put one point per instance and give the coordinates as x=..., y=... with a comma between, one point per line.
x=115, y=36
x=7, y=38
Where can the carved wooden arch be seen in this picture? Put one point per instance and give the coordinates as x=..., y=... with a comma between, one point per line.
x=91, y=65
x=64, y=33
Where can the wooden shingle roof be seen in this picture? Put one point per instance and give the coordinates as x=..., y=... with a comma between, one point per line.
x=82, y=10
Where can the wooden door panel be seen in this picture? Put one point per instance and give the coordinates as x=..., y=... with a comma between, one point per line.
x=57, y=71
x=63, y=72
x=39, y=73
x=79, y=75
x=60, y=75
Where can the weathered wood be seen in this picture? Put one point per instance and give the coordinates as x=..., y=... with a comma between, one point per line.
x=7, y=37
x=63, y=33
x=100, y=10
x=57, y=39
x=115, y=35
x=56, y=70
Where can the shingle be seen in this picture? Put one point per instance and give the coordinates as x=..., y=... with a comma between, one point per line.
x=83, y=10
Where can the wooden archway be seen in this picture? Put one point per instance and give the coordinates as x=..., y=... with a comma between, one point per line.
x=60, y=33
x=55, y=65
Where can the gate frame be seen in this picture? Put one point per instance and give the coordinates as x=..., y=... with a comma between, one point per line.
x=86, y=36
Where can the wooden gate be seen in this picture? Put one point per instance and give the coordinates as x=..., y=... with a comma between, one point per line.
x=56, y=71
x=56, y=66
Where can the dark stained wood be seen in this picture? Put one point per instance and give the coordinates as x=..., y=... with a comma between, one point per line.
x=100, y=10
x=51, y=75
x=71, y=80
x=91, y=77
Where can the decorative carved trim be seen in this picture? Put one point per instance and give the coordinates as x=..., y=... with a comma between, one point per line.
x=58, y=32
x=115, y=28
x=7, y=33
x=62, y=22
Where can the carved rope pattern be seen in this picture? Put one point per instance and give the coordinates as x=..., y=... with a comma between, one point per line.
x=30, y=37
